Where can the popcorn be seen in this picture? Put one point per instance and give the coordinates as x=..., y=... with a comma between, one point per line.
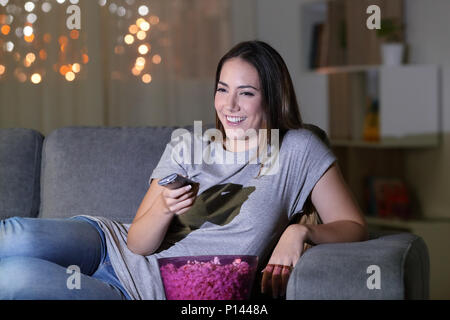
x=210, y=280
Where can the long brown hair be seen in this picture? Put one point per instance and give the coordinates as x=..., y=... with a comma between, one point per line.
x=279, y=101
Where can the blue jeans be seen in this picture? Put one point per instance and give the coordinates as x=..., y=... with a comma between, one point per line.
x=35, y=255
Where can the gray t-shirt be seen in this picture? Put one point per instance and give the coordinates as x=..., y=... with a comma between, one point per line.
x=235, y=212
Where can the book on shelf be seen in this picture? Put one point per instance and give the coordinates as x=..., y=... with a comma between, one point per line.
x=319, y=46
x=322, y=57
x=316, y=46
x=388, y=197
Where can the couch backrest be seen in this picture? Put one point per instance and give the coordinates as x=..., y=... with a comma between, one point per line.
x=100, y=171
x=20, y=168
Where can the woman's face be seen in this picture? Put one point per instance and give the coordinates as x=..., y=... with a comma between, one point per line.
x=238, y=99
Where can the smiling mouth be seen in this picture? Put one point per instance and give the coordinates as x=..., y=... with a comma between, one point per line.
x=235, y=120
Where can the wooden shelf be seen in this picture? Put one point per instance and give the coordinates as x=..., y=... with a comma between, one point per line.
x=341, y=69
x=357, y=68
x=391, y=222
x=404, y=222
x=410, y=142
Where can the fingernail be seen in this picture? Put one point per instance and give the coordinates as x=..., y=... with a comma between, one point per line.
x=188, y=187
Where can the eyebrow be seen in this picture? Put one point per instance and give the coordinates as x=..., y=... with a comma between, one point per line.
x=240, y=87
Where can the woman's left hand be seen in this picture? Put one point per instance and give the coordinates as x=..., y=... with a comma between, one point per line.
x=284, y=257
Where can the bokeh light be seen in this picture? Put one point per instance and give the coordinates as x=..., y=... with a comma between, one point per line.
x=156, y=59
x=27, y=31
x=74, y=34
x=70, y=76
x=29, y=6
x=30, y=44
x=36, y=78
x=141, y=35
x=143, y=49
x=146, y=78
x=133, y=29
x=5, y=29
x=129, y=39
x=143, y=10
x=76, y=67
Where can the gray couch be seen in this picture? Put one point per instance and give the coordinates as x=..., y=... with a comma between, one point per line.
x=104, y=171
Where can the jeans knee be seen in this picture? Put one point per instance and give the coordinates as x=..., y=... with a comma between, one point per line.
x=16, y=238
x=16, y=274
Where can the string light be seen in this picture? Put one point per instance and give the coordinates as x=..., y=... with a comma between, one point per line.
x=143, y=10
x=70, y=76
x=27, y=46
x=76, y=67
x=36, y=78
x=29, y=6
x=146, y=78
x=156, y=59
x=141, y=35
x=143, y=49
x=134, y=43
x=27, y=31
x=5, y=29
x=129, y=39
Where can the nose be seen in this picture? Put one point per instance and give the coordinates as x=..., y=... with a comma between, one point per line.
x=232, y=104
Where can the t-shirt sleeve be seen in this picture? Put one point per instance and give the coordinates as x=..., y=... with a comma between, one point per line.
x=316, y=160
x=171, y=161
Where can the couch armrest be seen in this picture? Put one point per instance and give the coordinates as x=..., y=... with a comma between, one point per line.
x=340, y=270
x=20, y=172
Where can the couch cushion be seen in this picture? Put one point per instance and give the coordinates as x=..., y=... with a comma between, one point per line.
x=101, y=171
x=20, y=168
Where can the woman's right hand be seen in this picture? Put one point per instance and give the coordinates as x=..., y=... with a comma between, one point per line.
x=178, y=201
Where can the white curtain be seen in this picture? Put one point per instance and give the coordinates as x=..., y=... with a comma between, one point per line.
x=187, y=36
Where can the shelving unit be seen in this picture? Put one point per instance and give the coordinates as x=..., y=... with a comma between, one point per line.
x=341, y=89
x=337, y=88
x=334, y=33
x=407, y=98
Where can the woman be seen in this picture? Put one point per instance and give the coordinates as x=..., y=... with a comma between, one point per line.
x=235, y=208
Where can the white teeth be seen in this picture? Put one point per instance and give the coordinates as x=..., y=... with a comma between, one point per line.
x=236, y=119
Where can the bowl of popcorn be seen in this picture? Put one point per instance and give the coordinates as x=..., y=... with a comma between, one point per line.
x=216, y=277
